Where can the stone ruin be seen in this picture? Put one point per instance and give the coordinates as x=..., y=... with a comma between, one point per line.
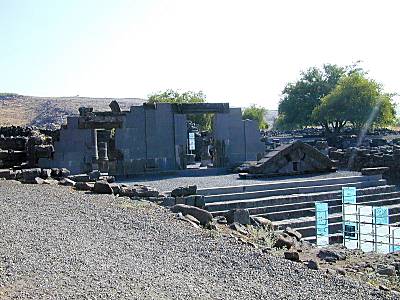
x=150, y=138
x=292, y=159
x=358, y=158
x=22, y=147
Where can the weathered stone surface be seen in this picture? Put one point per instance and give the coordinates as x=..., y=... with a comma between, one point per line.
x=94, y=175
x=200, y=214
x=115, y=107
x=108, y=178
x=220, y=220
x=116, y=188
x=38, y=180
x=80, y=178
x=29, y=175
x=5, y=173
x=313, y=264
x=184, y=191
x=138, y=191
x=84, y=186
x=294, y=158
x=181, y=217
x=292, y=255
x=240, y=216
x=293, y=233
x=331, y=255
x=284, y=240
x=261, y=221
x=168, y=201
x=239, y=228
x=59, y=172
x=102, y=187
x=46, y=173
x=192, y=219
x=374, y=171
x=387, y=270
x=66, y=182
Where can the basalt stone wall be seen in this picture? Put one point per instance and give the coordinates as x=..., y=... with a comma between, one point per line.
x=23, y=147
x=358, y=158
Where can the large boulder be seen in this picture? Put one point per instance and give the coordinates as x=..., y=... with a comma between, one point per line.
x=332, y=255
x=84, y=186
x=102, y=187
x=136, y=190
x=202, y=215
x=183, y=191
x=241, y=216
x=284, y=240
x=94, y=175
x=5, y=173
x=293, y=233
x=80, y=178
x=29, y=175
x=59, y=172
x=66, y=182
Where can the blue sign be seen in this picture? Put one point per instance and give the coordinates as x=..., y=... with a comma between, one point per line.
x=349, y=195
x=381, y=215
x=322, y=224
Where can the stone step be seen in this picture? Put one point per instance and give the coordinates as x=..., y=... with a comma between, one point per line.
x=393, y=204
x=310, y=211
x=278, y=203
x=251, y=195
x=336, y=227
x=306, y=225
x=285, y=184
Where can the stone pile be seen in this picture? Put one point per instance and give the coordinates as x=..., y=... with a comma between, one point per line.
x=359, y=158
x=22, y=147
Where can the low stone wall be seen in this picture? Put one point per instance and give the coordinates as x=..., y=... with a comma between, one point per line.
x=356, y=159
x=23, y=146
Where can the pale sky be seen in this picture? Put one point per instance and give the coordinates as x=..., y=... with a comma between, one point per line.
x=240, y=52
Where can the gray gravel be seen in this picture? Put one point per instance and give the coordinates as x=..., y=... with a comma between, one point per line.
x=168, y=183
x=60, y=244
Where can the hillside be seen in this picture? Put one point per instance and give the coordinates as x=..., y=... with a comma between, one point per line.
x=51, y=111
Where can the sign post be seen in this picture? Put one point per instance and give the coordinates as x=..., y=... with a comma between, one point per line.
x=321, y=224
x=349, y=208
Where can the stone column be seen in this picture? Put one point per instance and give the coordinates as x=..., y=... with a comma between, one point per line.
x=95, y=155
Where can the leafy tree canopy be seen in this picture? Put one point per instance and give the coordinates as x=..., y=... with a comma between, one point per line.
x=256, y=113
x=172, y=96
x=301, y=97
x=204, y=121
x=356, y=101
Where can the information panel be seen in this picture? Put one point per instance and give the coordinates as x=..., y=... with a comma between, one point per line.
x=395, y=243
x=350, y=228
x=322, y=224
x=382, y=229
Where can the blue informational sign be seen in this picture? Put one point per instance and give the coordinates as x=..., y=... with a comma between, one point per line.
x=322, y=224
x=349, y=195
x=395, y=243
x=382, y=229
x=381, y=215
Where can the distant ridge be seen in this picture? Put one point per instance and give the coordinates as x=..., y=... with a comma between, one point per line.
x=50, y=112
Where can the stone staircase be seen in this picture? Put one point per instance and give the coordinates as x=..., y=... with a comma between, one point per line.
x=291, y=202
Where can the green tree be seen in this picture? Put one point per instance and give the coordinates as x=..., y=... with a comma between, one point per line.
x=355, y=101
x=172, y=96
x=256, y=113
x=301, y=97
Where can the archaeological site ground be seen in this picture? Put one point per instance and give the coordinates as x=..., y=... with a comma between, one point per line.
x=138, y=202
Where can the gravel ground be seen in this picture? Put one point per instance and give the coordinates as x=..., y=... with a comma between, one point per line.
x=57, y=243
x=168, y=183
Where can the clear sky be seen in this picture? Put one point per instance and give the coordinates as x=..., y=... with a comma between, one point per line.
x=238, y=51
